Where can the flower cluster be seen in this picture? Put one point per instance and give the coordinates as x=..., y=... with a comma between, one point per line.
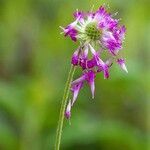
x=94, y=30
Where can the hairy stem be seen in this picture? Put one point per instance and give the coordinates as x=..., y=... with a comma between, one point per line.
x=63, y=106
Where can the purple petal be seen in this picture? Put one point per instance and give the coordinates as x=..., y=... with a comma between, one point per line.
x=122, y=31
x=69, y=31
x=76, y=90
x=83, y=63
x=101, y=13
x=90, y=79
x=121, y=62
x=79, y=80
x=93, y=51
x=91, y=63
x=75, y=58
x=78, y=14
x=103, y=67
x=106, y=72
x=76, y=86
x=84, y=58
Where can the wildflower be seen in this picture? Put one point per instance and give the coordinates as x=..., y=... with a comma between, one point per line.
x=98, y=32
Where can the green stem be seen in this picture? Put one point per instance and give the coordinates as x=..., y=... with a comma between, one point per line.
x=63, y=107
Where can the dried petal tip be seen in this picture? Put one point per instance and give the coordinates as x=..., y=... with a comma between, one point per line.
x=68, y=110
x=121, y=62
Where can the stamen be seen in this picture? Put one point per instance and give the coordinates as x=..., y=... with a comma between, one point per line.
x=92, y=32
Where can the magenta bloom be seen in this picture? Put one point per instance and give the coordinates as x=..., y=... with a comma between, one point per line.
x=98, y=32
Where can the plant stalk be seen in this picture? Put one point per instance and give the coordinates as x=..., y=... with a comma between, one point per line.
x=63, y=107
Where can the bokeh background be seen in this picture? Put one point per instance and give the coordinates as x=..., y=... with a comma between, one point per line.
x=34, y=63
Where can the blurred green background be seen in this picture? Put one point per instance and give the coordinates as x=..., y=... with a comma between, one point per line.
x=34, y=63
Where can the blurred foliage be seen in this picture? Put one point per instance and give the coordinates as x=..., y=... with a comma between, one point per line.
x=34, y=61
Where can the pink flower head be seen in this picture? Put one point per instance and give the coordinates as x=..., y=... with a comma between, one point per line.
x=99, y=34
